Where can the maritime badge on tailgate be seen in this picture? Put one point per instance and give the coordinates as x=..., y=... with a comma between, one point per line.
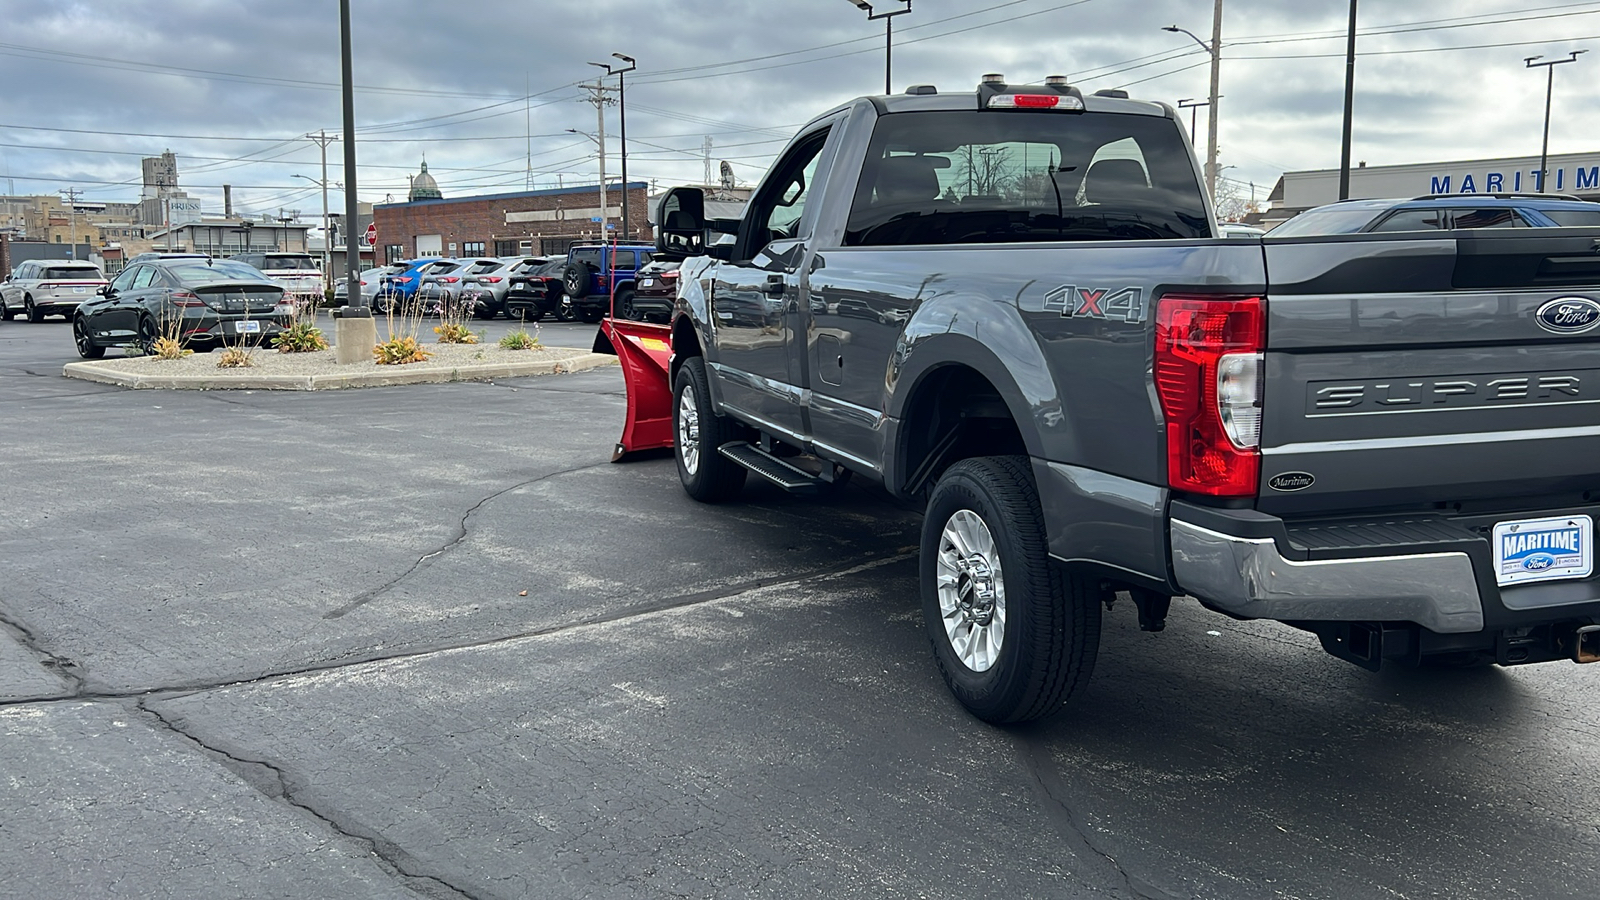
x=1117, y=305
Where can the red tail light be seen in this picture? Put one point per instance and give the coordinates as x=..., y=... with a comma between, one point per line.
x=186, y=298
x=672, y=274
x=404, y=279
x=603, y=281
x=449, y=279
x=492, y=279
x=363, y=284
x=1207, y=372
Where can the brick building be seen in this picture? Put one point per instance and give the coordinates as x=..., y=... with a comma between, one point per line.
x=543, y=222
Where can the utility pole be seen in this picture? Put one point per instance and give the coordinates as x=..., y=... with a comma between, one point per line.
x=705, y=149
x=1349, y=105
x=1215, y=49
x=352, y=258
x=1550, y=86
x=322, y=140
x=72, y=195
x=597, y=96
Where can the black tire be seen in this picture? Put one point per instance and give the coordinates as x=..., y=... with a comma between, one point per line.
x=6, y=312
x=591, y=315
x=87, y=348
x=707, y=475
x=145, y=343
x=622, y=306
x=565, y=311
x=575, y=280
x=484, y=311
x=35, y=314
x=1049, y=616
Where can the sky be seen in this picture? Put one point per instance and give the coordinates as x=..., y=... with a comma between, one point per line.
x=487, y=90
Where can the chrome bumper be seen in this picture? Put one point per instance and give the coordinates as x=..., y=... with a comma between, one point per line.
x=1250, y=578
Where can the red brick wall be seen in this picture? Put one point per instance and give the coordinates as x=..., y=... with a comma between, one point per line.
x=467, y=220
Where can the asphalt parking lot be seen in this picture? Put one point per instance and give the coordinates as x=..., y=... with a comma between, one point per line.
x=428, y=641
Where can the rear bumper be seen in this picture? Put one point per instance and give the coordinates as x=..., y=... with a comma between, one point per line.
x=1433, y=572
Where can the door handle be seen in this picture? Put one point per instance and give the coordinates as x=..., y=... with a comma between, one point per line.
x=774, y=286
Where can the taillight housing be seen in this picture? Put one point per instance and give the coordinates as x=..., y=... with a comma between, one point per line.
x=186, y=298
x=492, y=279
x=1208, y=373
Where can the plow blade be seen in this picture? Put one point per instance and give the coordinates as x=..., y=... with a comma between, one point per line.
x=645, y=352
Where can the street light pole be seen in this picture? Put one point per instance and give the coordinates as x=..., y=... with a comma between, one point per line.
x=1214, y=48
x=888, y=34
x=622, y=112
x=1349, y=105
x=1191, y=105
x=352, y=256
x=1549, y=88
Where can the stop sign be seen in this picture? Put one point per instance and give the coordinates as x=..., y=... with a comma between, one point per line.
x=372, y=235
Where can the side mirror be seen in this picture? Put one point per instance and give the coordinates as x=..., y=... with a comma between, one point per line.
x=722, y=247
x=103, y=289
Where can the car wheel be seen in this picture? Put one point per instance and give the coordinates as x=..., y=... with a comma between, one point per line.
x=6, y=312
x=144, y=343
x=1014, y=634
x=87, y=348
x=565, y=311
x=483, y=311
x=623, y=306
x=34, y=313
x=707, y=475
x=575, y=280
x=591, y=315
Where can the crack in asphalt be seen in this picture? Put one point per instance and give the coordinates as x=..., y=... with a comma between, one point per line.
x=636, y=610
x=368, y=596
x=60, y=665
x=1036, y=760
x=281, y=787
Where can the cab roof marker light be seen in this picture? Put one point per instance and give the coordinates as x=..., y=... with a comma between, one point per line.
x=1056, y=81
x=993, y=78
x=1035, y=101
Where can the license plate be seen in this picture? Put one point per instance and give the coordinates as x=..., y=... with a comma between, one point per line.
x=1544, y=549
x=250, y=327
x=79, y=290
x=648, y=282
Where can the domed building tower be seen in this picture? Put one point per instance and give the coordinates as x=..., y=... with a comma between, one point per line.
x=423, y=187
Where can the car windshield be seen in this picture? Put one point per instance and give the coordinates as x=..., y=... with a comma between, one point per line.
x=1574, y=217
x=1328, y=220
x=988, y=177
x=288, y=261
x=67, y=272
x=198, y=272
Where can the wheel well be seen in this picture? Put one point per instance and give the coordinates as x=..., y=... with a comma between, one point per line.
x=684, y=344
x=955, y=414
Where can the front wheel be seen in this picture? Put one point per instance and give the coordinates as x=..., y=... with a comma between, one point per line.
x=707, y=475
x=1014, y=634
x=87, y=348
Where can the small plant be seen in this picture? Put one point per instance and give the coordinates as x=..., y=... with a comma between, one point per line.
x=397, y=351
x=454, y=333
x=520, y=340
x=301, y=337
x=169, y=348
x=235, y=358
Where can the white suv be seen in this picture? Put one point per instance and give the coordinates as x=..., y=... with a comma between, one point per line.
x=49, y=287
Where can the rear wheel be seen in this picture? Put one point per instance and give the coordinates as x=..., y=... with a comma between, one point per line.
x=87, y=348
x=623, y=306
x=145, y=342
x=707, y=475
x=35, y=314
x=1014, y=634
x=565, y=311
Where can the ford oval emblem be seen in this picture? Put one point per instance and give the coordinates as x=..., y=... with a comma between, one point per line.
x=1289, y=482
x=1568, y=315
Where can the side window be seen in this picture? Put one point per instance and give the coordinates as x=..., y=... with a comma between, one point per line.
x=146, y=276
x=788, y=203
x=124, y=281
x=1488, y=218
x=1412, y=220
x=25, y=272
x=589, y=256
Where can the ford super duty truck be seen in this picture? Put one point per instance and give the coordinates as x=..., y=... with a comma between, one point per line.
x=1013, y=305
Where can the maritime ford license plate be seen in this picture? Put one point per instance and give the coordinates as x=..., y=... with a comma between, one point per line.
x=1544, y=549
x=248, y=326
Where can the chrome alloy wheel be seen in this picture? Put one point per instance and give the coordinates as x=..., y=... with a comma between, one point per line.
x=689, y=431
x=972, y=590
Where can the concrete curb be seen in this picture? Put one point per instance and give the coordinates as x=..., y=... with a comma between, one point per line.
x=244, y=380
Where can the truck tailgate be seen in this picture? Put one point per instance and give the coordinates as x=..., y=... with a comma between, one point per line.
x=1430, y=369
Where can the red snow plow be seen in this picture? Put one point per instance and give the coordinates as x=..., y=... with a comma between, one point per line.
x=644, y=350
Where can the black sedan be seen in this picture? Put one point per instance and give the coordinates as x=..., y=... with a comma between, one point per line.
x=201, y=303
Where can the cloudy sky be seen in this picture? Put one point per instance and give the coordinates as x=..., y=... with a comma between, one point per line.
x=486, y=89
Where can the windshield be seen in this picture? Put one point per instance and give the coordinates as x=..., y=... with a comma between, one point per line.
x=198, y=272
x=1330, y=220
x=70, y=272
x=986, y=177
x=285, y=261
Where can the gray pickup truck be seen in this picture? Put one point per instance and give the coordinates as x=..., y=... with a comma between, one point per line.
x=1013, y=305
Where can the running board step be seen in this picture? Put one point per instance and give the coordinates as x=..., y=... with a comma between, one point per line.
x=775, y=470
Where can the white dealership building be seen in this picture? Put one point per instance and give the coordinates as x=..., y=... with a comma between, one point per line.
x=1575, y=174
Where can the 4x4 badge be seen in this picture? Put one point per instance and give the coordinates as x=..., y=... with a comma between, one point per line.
x=1119, y=305
x=1568, y=315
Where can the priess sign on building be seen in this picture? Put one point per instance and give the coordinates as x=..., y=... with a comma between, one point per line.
x=544, y=221
x=1576, y=179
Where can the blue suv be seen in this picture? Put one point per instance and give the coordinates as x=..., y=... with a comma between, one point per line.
x=1443, y=211
x=401, y=284
x=596, y=272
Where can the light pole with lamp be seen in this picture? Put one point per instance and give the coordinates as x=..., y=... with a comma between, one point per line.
x=622, y=112
x=600, y=147
x=888, y=33
x=327, y=236
x=1214, y=48
x=1191, y=105
x=1550, y=85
